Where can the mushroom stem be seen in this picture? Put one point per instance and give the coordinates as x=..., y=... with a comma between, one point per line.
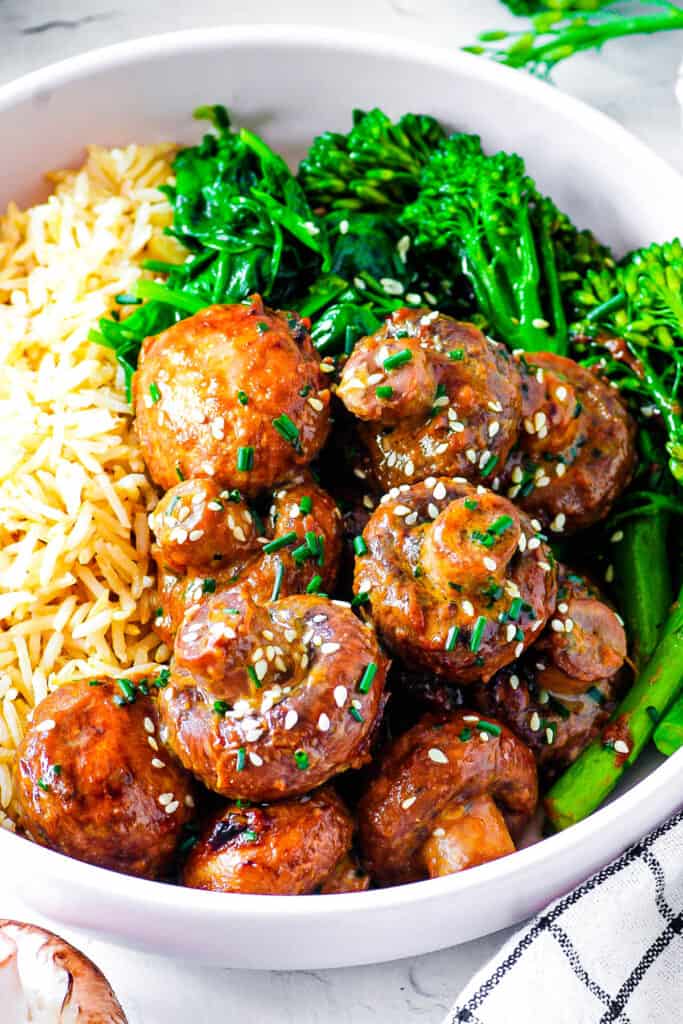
x=466, y=834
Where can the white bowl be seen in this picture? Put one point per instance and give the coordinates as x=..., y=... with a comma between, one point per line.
x=289, y=84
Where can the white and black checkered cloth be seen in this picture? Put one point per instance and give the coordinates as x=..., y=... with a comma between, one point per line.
x=610, y=952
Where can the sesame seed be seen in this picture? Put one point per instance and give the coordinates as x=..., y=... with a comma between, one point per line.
x=545, y=566
x=156, y=763
x=189, y=800
x=290, y=635
x=408, y=802
x=535, y=722
x=329, y=648
x=340, y=695
x=432, y=510
x=510, y=632
x=441, y=449
x=468, y=608
x=196, y=534
x=494, y=427
x=172, y=807
x=540, y=324
x=558, y=522
x=549, y=736
x=557, y=625
x=409, y=468
x=437, y=756
x=568, y=625
x=411, y=519
x=621, y=747
x=149, y=725
x=522, y=542
x=514, y=682
x=150, y=739
x=401, y=510
x=560, y=469
x=260, y=668
x=543, y=481
x=471, y=455
x=323, y=723
x=165, y=799
x=46, y=726
x=616, y=537
x=291, y=718
x=533, y=544
x=563, y=607
x=255, y=759
x=561, y=393
x=490, y=564
x=518, y=649
x=440, y=491
x=316, y=404
x=609, y=574
x=529, y=426
x=470, y=718
x=484, y=737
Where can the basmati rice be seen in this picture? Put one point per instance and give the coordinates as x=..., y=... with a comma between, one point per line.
x=76, y=579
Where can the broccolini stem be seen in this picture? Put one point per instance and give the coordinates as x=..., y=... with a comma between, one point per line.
x=643, y=580
x=669, y=733
x=573, y=33
x=595, y=773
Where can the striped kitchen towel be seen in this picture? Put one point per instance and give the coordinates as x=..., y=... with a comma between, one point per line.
x=610, y=952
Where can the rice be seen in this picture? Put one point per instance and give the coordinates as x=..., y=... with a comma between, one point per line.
x=76, y=580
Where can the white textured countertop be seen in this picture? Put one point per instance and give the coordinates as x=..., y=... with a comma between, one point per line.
x=632, y=81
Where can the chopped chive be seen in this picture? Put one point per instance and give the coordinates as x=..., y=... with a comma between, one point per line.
x=221, y=707
x=595, y=695
x=162, y=679
x=262, y=327
x=491, y=464
x=179, y=473
x=359, y=546
x=241, y=759
x=515, y=608
x=251, y=672
x=485, y=539
x=471, y=505
x=489, y=727
x=235, y=496
x=301, y=553
x=250, y=835
x=126, y=299
x=465, y=735
x=321, y=550
x=127, y=689
x=501, y=524
x=312, y=542
x=277, y=585
x=287, y=429
x=314, y=585
x=452, y=637
x=243, y=398
x=143, y=688
x=301, y=758
x=456, y=354
x=355, y=713
x=367, y=677
x=280, y=542
x=362, y=598
x=550, y=732
x=306, y=504
x=44, y=785
x=120, y=702
x=573, y=578
x=398, y=359
x=94, y=682
x=56, y=769
x=209, y=585
x=245, y=459
x=384, y=391
x=154, y=392
x=477, y=634
x=305, y=390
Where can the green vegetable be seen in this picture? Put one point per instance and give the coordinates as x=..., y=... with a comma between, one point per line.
x=595, y=773
x=517, y=251
x=643, y=582
x=375, y=166
x=561, y=29
x=641, y=301
x=669, y=733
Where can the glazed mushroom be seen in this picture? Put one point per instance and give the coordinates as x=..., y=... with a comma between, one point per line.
x=207, y=540
x=576, y=451
x=563, y=690
x=44, y=979
x=435, y=397
x=289, y=848
x=234, y=393
x=451, y=792
x=267, y=701
x=457, y=580
x=95, y=783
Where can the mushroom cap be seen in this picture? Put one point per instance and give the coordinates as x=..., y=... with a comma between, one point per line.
x=45, y=980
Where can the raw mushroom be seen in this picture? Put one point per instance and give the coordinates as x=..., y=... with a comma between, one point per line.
x=44, y=980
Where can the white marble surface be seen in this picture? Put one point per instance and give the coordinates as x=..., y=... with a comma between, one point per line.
x=632, y=81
